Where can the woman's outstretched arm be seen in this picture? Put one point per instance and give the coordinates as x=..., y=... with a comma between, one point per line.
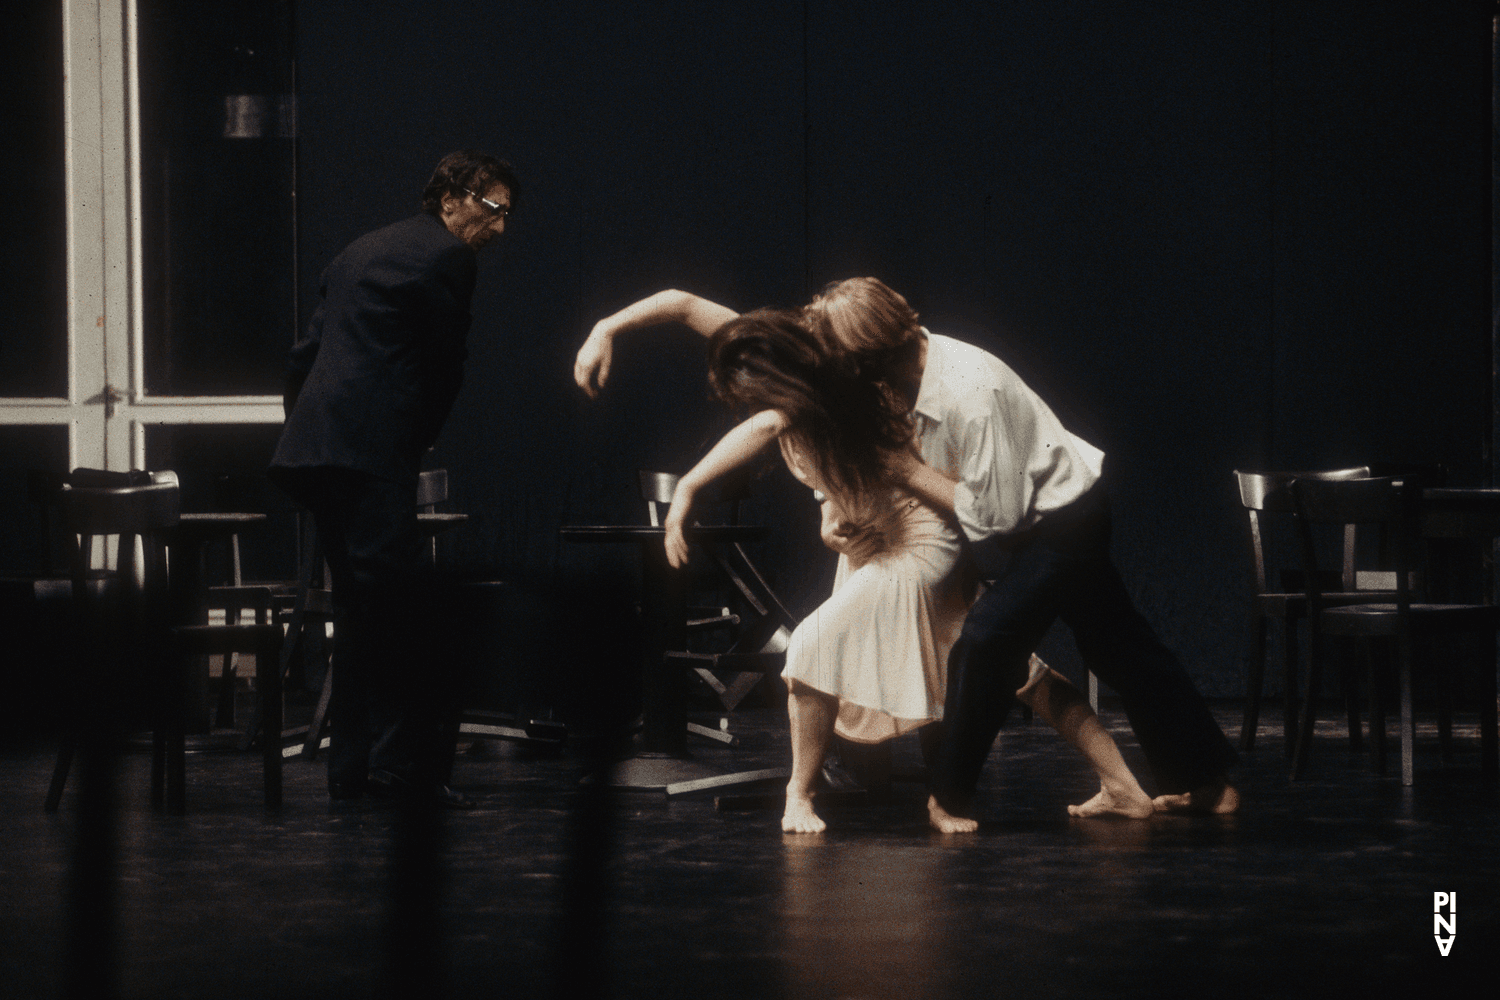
x=591, y=367
x=734, y=449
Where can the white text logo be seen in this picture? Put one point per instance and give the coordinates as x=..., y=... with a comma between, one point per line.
x=1444, y=928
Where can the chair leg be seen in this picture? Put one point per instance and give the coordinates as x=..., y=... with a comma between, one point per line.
x=65, y=753
x=310, y=745
x=1374, y=679
x=224, y=711
x=1309, y=703
x=1291, y=660
x=1489, y=735
x=1255, y=669
x=176, y=742
x=270, y=700
x=158, y=765
x=1408, y=722
x=1444, y=705
x=1349, y=688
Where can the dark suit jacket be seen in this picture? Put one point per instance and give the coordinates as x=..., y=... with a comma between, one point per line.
x=371, y=381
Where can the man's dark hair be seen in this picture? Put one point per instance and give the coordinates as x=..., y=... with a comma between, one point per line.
x=468, y=170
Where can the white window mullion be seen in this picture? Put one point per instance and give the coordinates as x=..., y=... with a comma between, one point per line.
x=83, y=157
x=118, y=137
x=107, y=409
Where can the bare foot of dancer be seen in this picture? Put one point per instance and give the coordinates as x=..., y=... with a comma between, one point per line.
x=1065, y=708
x=799, y=816
x=1217, y=798
x=1132, y=803
x=945, y=822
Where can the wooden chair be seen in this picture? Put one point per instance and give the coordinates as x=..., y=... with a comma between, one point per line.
x=120, y=618
x=1395, y=506
x=1264, y=493
x=239, y=596
x=133, y=609
x=758, y=625
x=263, y=640
x=432, y=489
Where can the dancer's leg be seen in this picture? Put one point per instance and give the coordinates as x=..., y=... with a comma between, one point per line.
x=987, y=664
x=811, y=713
x=1187, y=751
x=1183, y=744
x=1064, y=708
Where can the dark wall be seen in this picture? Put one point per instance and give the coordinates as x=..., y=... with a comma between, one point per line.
x=1237, y=235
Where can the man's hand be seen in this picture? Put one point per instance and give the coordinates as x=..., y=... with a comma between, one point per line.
x=591, y=367
x=903, y=465
x=838, y=533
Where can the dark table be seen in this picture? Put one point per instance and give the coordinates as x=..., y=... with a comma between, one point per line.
x=663, y=757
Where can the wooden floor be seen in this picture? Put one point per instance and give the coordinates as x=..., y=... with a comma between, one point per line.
x=1317, y=886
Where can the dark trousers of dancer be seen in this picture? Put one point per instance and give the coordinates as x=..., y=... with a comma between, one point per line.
x=1062, y=569
x=391, y=702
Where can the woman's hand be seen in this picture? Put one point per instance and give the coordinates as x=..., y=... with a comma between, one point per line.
x=676, y=543
x=591, y=367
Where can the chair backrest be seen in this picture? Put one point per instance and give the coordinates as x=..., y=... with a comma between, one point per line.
x=1391, y=504
x=122, y=510
x=1262, y=492
x=657, y=489
x=146, y=509
x=1268, y=490
x=432, y=488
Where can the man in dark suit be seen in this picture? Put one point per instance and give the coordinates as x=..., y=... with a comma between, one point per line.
x=369, y=385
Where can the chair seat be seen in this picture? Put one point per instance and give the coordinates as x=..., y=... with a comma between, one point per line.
x=1384, y=619
x=759, y=663
x=1293, y=606
x=429, y=525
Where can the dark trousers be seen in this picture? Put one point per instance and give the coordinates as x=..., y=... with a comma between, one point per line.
x=1062, y=569
x=391, y=697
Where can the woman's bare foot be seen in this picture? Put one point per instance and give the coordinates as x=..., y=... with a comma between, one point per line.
x=1217, y=798
x=1130, y=803
x=799, y=816
x=945, y=822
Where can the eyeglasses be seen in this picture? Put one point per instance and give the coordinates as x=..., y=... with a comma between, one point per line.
x=496, y=209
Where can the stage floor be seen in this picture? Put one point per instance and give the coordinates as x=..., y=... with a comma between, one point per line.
x=1326, y=884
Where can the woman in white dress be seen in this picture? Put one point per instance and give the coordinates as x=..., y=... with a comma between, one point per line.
x=870, y=662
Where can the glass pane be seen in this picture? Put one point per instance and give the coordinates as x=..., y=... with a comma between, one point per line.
x=222, y=467
x=33, y=461
x=33, y=282
x=218, y=121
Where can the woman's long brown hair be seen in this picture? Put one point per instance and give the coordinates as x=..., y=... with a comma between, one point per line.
x=769, y=360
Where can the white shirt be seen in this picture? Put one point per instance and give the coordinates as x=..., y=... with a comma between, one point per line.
x=977, y=422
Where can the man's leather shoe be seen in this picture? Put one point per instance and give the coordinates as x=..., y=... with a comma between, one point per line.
x=390, y=785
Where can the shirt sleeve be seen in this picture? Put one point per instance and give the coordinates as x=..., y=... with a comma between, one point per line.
x=994, y=491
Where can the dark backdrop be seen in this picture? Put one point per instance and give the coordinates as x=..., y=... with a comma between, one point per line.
x=1213, y=236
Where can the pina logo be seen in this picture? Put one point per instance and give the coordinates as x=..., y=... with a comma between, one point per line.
x=1445, y=925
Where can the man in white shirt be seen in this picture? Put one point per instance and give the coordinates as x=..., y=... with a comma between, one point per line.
x=1030, y=499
